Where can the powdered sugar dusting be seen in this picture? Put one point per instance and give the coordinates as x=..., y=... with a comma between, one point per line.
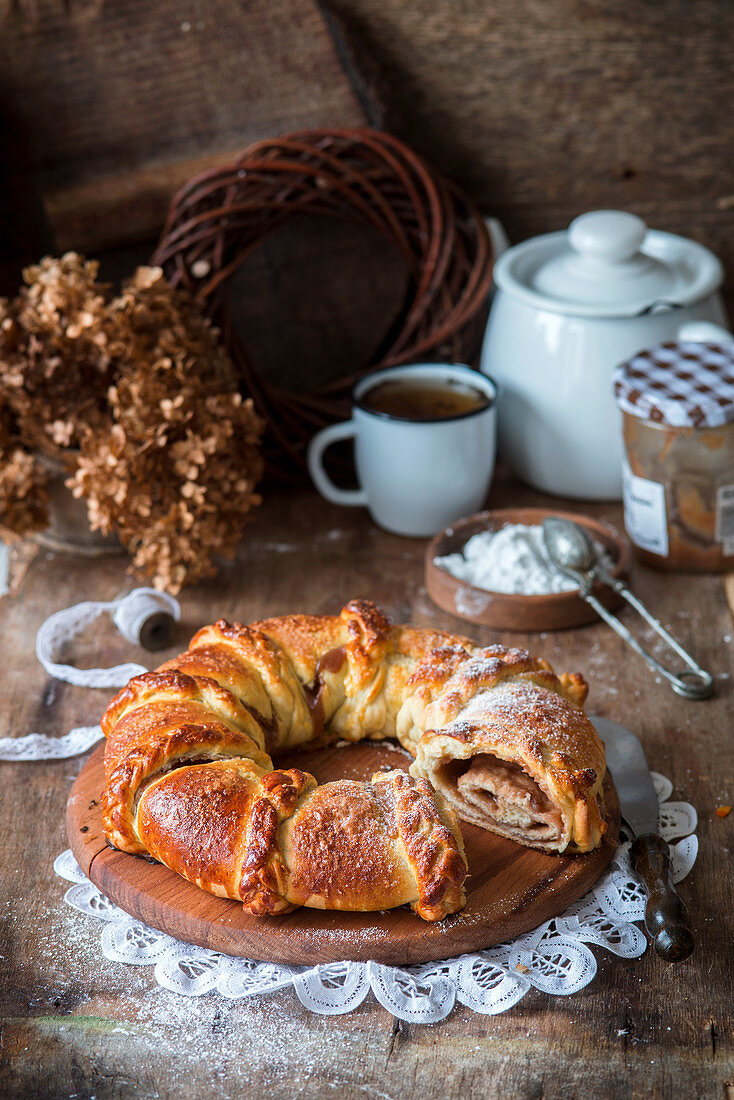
x=512, y=560
x=515, y=700
x=126, y=1004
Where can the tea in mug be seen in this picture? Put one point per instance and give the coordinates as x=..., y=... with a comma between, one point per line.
x=424, y=399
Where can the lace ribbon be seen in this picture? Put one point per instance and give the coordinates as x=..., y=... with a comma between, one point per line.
x=37, y=746
x=129, y=613
x=554, y=958
x=65, y=625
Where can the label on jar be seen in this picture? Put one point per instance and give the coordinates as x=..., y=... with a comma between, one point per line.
x=725, y=517
x=644, y=512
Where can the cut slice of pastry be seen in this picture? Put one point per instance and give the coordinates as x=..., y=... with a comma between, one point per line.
x=524, y=761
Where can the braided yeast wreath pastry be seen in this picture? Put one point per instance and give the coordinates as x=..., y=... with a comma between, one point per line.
x=189, y=776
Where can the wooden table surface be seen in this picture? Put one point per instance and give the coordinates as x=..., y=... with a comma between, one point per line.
x=76, y=1025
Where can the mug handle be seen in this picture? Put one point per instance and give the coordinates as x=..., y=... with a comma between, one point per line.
x=353, y=498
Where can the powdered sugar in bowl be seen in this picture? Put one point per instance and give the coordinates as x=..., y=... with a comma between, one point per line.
x=503, y=548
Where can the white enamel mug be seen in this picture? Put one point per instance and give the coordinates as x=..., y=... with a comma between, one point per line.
x=415, y=476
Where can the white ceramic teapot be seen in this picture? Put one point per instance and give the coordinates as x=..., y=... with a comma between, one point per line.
x=569, y=307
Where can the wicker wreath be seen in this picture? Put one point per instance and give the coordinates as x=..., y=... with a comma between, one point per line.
x=360, y=175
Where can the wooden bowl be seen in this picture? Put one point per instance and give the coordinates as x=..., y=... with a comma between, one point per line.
x=505, y=611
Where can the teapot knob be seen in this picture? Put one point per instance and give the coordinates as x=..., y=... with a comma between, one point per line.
x=611, y=236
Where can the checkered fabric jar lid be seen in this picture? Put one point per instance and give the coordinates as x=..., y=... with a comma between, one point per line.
x=685, y=385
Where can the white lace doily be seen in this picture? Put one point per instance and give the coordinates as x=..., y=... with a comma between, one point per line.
x=554, y=958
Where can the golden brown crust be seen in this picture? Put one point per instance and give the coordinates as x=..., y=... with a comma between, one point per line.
x=189, y=778
x=263, y=885
x=342, y=852
x=194, y=819
x=431, y=838
x=160, y=721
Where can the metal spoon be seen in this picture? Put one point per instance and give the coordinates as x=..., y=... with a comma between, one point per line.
x=572, y=552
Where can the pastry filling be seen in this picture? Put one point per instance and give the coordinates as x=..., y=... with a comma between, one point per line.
x=503, y=796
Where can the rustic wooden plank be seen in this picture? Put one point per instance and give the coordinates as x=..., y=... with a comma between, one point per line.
x=73, y=1022
x=543, y=111
x=117, y=111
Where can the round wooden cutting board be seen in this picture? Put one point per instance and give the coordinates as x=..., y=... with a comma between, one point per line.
x=510, y=889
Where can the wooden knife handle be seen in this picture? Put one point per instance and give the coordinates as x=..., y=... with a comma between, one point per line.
x=667, y=921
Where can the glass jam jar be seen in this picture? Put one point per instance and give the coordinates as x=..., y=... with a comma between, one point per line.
x=677, y=402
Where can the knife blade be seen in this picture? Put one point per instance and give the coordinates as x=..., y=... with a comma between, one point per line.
x=667, y=920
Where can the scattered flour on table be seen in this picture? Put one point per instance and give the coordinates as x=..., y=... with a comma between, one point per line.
x=511, y=560
x=93, y=1002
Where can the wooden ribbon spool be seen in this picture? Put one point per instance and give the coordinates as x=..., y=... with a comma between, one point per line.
x=363, y=176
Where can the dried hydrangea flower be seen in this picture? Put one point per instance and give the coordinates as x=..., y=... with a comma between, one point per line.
x=23, y=494
x=55, y=364
x=174, y=469
x=139, y=386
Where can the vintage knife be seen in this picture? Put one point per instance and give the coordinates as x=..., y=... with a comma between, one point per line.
x=667, y=920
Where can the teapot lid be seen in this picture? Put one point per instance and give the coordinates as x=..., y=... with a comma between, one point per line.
x=608, y=264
